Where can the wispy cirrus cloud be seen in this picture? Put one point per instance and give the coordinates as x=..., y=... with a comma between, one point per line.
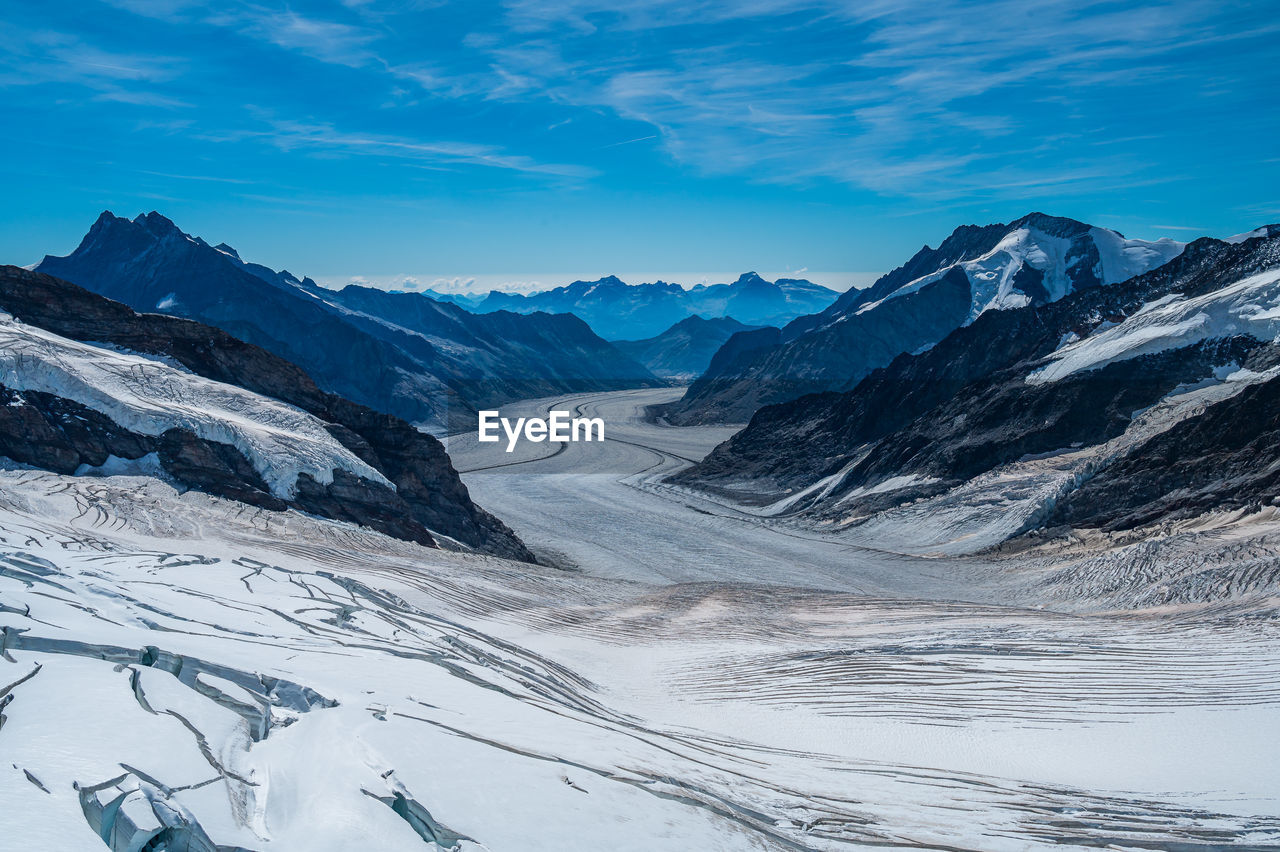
x=49, y=56
x=895, y=96
x=32, y=58
x=138, y=78
x=316, y=37
x=925, y=100
x=890, y=95
x=325, y=138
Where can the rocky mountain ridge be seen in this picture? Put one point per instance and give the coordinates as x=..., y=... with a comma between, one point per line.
x=1034, y=260
x=1111, y=407
x=683, y=351
x=92, y=386
x=430, y=363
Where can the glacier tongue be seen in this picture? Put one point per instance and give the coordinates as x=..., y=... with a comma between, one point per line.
x=1123, y=258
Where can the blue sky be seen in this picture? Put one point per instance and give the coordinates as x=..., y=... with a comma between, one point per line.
x=536, y=140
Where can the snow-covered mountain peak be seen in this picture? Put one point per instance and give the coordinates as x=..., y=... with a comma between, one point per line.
x=1266, y=231
x=1121, y=258
x=1043, y=258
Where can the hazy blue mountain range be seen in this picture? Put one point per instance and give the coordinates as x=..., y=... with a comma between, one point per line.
x=429, y=362
x=620, y=311
x=683, y=351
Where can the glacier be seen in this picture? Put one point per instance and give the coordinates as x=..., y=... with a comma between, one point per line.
x=1247, y=307
x=150, y=396
x=686, y=675
x=256, y=680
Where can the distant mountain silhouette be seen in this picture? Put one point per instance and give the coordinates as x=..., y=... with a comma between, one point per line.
x=620, y=311
x=406, y=354
x=683, y=351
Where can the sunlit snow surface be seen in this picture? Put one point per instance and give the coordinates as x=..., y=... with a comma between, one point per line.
x=1248, y=307
x=150, y=396
x=305, y=675
x=992, y=275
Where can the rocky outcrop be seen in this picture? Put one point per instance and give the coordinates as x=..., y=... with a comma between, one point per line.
x=1227, y=458
x=59, y=434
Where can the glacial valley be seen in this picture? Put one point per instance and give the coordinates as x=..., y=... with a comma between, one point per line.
x=266, y=680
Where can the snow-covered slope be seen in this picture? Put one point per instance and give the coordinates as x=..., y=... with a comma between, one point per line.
x=1058, y=261
x=1037, y=259
x=173, y=666
x=1249, y=307
x=150, y=397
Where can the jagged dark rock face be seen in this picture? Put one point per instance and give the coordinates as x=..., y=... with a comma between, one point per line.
x=1228, y=458
x=964, y=407
x=374, y=348
x=838, y=347
x=1001, y=419
x=60, y=435
x=684, y=350
x=620, y=311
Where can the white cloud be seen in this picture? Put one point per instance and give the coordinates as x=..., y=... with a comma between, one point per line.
x=35, y=58
x=889, y=95
x=292, y=135
x=327, y=41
